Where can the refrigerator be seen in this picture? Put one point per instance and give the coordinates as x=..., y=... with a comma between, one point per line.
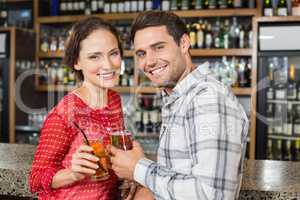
x=278, y=91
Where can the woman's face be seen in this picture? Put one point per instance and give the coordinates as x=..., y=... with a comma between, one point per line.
x=100, y=59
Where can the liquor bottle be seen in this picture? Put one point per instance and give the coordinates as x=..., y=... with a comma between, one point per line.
x=61, y=44
x=296, y=122
x=269, y=152
x=208, y=37
x=216, y=34
x=242, y=74
x=148, y=5
x=277, y=150
x=127, y=6
x=81, y=7
x=212, y=4
x=198, y=4
x=45, y=43
x=222, y=4
x=288, y=123
x=192, y=4
x=141, y=5
x=286, y=150
x=72, y=79
x=94, y=6
x=241, y=37
x=121, y=6
x=226, y=36
x=268, y=8
x=237, y=3
x=200, y=35
x=106, y=6
x=76, y=7
x=292, y=86
x=156, y=4
x=270, y=90
x=62, y=7
x=280, y=91
x=114, y=6
x=293, y=151
x=278, y=115
x=133, y=6
x=174, y=5
x=150, y=125
x=282, y=8
x=145, y=121
x=230, y=4
x=87, y=9
x=165, y=5
x=100, y=6
x=234, y=73
x=69, y=7
x=270, y=111
x=234, y=34
x=193, y=35
x=184, y=5
x=298, y=149
x=138, y=121
x=205, y=4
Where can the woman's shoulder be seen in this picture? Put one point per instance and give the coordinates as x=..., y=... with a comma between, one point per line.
x=66, y=107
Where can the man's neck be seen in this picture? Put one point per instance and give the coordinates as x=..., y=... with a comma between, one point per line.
x=189, y=68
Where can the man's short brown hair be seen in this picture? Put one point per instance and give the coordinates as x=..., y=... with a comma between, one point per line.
x=175, y=26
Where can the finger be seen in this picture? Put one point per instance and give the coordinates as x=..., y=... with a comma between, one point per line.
x=85, y=147
x=83, y=170
x=87, y=156
x=85, y=163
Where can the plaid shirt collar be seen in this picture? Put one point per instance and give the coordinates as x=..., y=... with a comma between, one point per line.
x=185, y=85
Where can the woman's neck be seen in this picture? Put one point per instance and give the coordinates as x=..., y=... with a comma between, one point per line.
x=94, y=96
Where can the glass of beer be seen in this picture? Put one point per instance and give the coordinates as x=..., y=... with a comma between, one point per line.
x=121, y=139
x=99, y=150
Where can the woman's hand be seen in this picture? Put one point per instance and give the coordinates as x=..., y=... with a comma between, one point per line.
x=84, y=163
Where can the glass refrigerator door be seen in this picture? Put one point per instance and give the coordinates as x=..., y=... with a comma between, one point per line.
x=279, y=106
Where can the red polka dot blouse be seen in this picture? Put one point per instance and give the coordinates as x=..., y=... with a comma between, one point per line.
x=59, y=139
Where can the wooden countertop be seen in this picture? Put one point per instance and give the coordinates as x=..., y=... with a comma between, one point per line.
x=259, y=175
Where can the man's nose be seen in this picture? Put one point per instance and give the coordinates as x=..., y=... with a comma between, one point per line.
x=151, y=59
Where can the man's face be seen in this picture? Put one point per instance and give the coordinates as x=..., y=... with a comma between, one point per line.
x=158, y=56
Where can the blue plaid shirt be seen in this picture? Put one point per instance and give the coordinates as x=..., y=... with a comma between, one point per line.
x=202, y=142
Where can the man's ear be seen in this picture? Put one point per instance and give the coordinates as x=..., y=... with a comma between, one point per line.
x=185, y=43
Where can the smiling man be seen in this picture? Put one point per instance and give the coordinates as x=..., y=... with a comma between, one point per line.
x=204, y=128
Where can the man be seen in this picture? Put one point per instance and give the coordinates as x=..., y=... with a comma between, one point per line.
x=204, y=128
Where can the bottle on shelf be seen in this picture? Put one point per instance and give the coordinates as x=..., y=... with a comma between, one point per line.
x=200, y=34
x=230, y=3
x=282, y=9
x=62, y=7
x=278, y=117
x=133, y=6
x=149, y=5
x=277, y=150
x=298, y=149
x=296, y=122
x=269, y=149
x=141, y=5
x=184, y=4
x=138, y=121
x=106, y=8
x=199, y=4
x=286, y=150
x=268, y=8
x=288, y=121
x=94, y=6
x=292, y=86
x=212, y=4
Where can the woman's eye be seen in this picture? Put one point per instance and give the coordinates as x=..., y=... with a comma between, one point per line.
x=94, y=57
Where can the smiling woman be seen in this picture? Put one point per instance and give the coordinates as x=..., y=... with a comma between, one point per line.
x=63, y=164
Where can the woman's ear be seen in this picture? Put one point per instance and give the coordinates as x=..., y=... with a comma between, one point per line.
x=77, y=66
x=185, y=43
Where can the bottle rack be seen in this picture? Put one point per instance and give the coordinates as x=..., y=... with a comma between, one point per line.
x=136, y=89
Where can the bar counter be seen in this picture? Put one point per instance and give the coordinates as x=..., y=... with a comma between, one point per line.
x=263, y=179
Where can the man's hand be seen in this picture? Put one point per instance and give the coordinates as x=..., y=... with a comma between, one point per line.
x=124, y=162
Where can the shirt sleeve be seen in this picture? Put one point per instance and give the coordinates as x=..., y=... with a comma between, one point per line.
x=53, y=146
x=216, y=130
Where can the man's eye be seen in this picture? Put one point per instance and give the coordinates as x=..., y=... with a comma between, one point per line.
x=116, y=53
x=140, y=54
x=160, y=47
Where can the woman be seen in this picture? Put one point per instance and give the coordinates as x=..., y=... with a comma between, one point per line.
x=63, y=165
